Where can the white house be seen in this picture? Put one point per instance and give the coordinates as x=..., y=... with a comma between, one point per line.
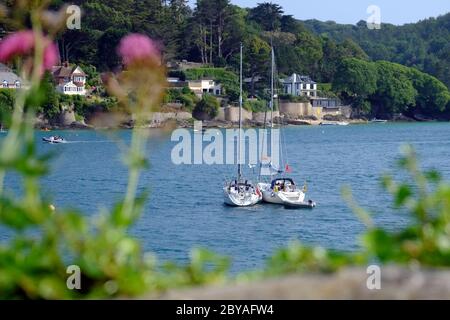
x=200, y=87
x=8, y=79
x=297, y=85
x=70, y=80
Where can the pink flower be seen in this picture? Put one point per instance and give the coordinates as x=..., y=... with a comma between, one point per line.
x=137, y=47
x=22, y=43
x=51, y=56
x=17, y=44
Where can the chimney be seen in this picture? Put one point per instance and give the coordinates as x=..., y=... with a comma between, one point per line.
x=66, y=64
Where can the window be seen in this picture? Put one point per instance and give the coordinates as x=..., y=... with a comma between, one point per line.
x=5, y=84
x=17, y=84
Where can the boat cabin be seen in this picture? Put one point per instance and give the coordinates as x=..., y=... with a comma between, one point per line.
x=283, y=184
x=241, y=186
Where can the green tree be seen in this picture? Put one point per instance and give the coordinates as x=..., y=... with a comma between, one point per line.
x=309, y=52
x=207, y=108
x=268, y=15
x=256, y=60
x=423, y=45
x=107, y=44
x=356, y=80
x=395, y=91
x=433, y=95
x=50, y=101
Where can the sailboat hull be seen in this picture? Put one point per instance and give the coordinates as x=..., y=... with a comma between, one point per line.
x=281, y=197
x=237, y=199
x=291, y=200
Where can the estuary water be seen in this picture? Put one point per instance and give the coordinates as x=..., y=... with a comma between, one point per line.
x=186, y=210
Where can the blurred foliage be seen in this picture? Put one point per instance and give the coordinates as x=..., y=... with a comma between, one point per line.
x=7, y=98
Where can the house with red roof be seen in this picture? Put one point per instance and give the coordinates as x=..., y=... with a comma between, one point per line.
x=70, y=80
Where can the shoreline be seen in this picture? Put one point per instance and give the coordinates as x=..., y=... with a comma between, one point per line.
x=222, y=124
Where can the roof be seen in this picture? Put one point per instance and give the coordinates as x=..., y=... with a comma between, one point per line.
x=72, y=84
x=295, y=78
x=255, y=79
x=8, y=75
x=63, y=71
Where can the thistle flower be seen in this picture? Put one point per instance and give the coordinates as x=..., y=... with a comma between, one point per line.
x=18, y=44
x=51, y=56
x=137, y=47
x=22, y=44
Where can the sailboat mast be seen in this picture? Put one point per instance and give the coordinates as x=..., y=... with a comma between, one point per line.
x=240, y=117
x=272, y=81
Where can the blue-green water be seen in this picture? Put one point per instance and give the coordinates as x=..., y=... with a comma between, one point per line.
x=185, y=208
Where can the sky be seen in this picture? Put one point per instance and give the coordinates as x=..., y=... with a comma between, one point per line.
x=351, y=11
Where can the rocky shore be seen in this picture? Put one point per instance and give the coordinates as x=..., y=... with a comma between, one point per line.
x=189, y=123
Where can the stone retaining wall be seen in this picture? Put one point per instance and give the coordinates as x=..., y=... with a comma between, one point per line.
x=259, y=116
x=161, y=117
x=232, y=114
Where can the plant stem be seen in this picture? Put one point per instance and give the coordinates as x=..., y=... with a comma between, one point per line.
x=137, y=152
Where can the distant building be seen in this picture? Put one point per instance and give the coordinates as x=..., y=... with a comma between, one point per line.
x=176, y=83
x=331, y=106
x=200, y=87
x=8, y=79
x=327, y=103
x=253, y=80
x=70, y=80
x=297, y=85
x=184, y=65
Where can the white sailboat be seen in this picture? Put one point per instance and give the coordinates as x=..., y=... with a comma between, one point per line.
x=282, y=190
x=241, y=192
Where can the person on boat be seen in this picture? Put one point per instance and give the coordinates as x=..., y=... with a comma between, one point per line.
x=276, y=187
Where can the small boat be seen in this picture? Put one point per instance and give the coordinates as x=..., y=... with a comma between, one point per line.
x=300, y=205
x=378, y=121
x=54, y=139
x=334, y=123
